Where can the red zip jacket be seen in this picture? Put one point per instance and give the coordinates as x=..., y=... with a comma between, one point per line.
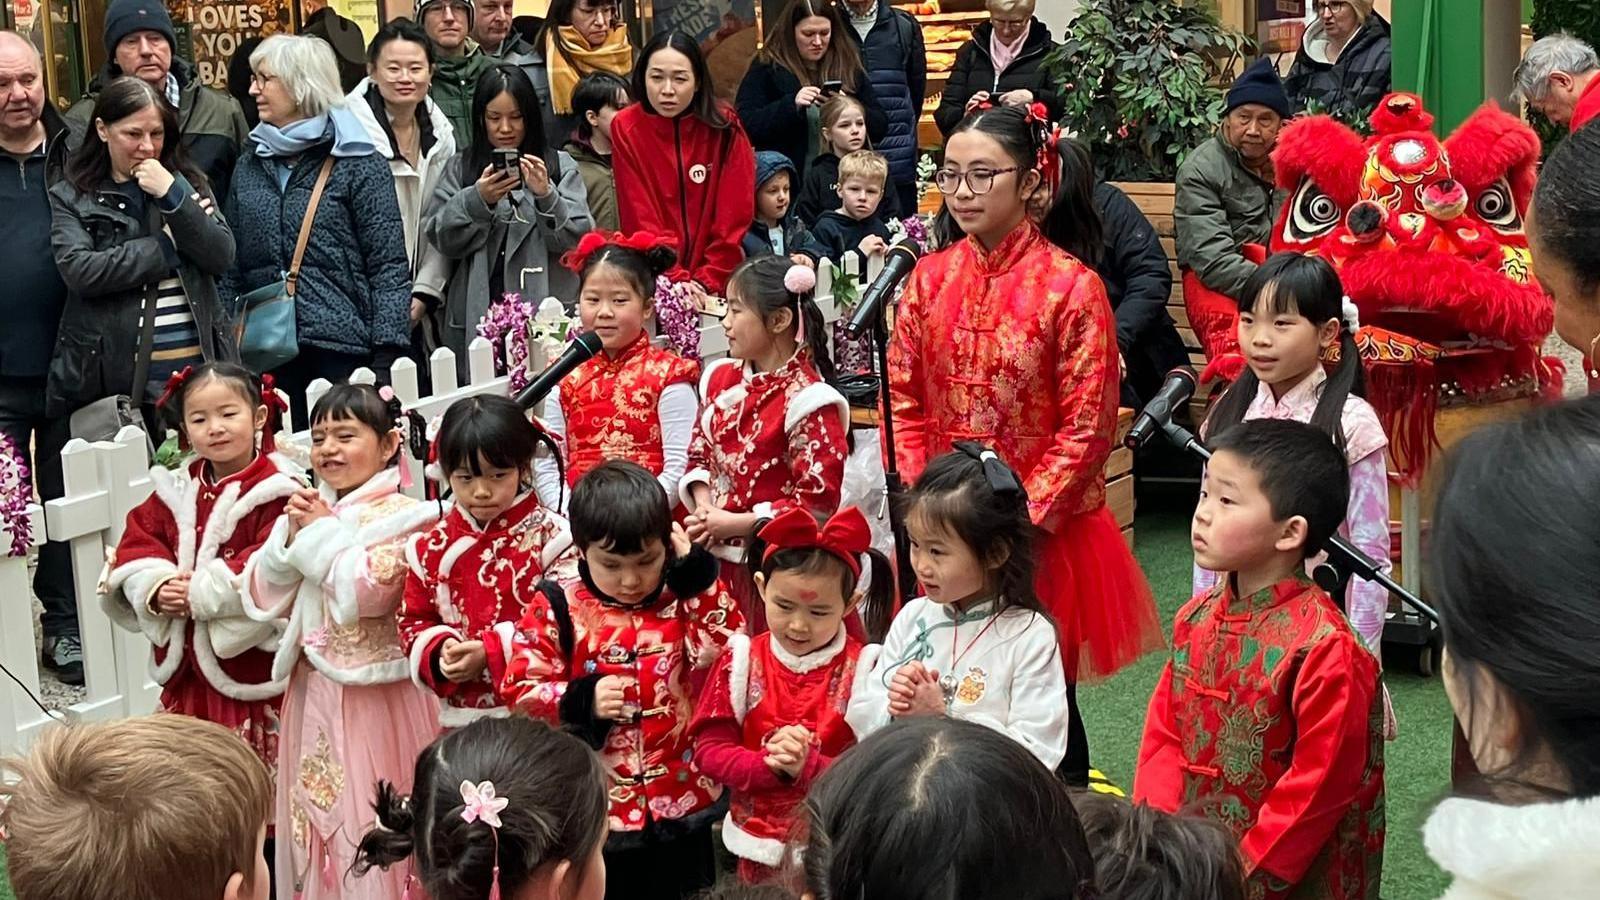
x=687, y=181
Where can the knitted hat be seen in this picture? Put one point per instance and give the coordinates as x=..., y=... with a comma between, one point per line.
x=124, y=17
x=770, y=163
x=1260, y=84
x=424, y=5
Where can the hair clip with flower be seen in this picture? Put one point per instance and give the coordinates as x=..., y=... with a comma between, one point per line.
x=479, y=804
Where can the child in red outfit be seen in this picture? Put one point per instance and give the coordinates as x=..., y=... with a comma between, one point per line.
x=1269, y=717
x=620, y=664
x=476, y=572
x=772, y=716
x=177, y=572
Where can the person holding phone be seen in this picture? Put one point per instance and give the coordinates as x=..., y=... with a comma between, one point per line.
x=805, y=63
x=506, y=209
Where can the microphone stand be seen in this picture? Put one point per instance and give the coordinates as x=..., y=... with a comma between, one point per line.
x=895, y=487
x=1344, y=560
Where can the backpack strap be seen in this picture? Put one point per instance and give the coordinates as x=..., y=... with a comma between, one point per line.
x=557, y=599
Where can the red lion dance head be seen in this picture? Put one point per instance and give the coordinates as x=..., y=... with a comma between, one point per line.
x=1427, y=236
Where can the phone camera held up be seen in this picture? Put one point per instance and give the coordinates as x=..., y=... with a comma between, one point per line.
x=831, y=88
x=508, y=159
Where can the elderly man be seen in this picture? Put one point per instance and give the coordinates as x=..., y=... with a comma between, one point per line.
x=35, y=138
x=1225, y=195
x=492, y=29
x=1557, y=78
x=140, y=41
x=459, y=62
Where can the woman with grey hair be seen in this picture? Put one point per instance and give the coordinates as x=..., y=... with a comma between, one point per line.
x=1557, y=76
x=1002, y=64
x=353, y=298
x=1343, y=65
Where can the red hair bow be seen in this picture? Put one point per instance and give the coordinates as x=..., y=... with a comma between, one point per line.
x=276, y=407
x=642, y=241
x=846, y=535
x=175, y=383
x=1049, y=161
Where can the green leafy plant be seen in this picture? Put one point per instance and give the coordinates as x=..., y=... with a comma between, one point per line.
x=1144, y=82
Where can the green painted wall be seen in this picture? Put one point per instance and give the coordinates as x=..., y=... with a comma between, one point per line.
x=1438, y=53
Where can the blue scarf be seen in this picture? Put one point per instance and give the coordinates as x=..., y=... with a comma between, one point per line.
x=349, y=137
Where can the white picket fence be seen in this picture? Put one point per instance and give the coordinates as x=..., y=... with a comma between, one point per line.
x=105, y=480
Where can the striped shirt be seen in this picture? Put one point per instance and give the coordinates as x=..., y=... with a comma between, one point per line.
x=177, y=339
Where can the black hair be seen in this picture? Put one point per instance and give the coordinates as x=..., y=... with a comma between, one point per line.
x=1295, y=284
x=243, y=381
x=557, y=810
x=364, y=404
x=1073, y=222
x=1009, y=127
x=1566, y=207
x=640, y=267
x=1142, y=853
x=908, y=795
x=492, y=428
x=1301, y=472
x=877, y=608
x=596, y=91
x=400, y=30
x=759, y=281
x=89, y=166
x=733, y=889
x=507, y=79
x=619, y=507
x=973, y=493
x=1512, y=568
x=705, y=105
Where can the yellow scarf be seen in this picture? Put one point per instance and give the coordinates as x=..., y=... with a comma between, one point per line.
x=615, y=55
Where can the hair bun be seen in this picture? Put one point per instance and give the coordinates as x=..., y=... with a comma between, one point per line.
x=661, y=258
x=799, y=279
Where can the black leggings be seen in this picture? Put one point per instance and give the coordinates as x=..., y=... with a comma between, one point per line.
x=1074, y=768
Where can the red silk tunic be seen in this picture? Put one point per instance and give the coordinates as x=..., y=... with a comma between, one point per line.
x=610, y=406
x=1269, y=717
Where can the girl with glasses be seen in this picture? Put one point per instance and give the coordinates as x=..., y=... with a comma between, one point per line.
x=1004, y=339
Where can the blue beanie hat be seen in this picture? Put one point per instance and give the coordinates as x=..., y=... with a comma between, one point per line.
x=770, y=163
x=1260, y=84
x=124, y=17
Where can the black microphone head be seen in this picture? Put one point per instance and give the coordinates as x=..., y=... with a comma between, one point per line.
x=905, y=246
x=589, y=342
x=1185, y=372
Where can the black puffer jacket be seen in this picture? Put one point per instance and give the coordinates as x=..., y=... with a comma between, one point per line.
x=108, y=258
x=1138, y=282
x=974, y=71
x=1350, y=86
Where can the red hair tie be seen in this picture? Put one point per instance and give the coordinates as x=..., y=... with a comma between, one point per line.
x=845, y=535
x=642, y=241
x=1049, y=159
x=175, y=383
x=276, y=407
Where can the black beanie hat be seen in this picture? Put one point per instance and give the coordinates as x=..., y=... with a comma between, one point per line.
x=124, y=17
x=1260, y=84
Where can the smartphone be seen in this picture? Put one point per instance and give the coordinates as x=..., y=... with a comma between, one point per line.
x=508, y=159
x=829, y=88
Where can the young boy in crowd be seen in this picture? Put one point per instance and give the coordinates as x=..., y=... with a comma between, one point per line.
x=161, y=807
x=776, y=230
x=857, y=224
x=596, y=100
x=1141, y=853
x=1268, y=716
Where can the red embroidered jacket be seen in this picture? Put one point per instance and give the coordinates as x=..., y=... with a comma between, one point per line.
x=209, y=529
x=473, y=584
x=610, y=406
x=1016, y=349
x=1269, y=716
x=770, y=440
x=657, y=642
x=755, y=689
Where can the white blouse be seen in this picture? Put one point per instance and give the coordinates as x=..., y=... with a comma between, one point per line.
x=1000, y=671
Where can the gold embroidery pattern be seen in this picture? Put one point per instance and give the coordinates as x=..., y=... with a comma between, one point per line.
x=321, y=775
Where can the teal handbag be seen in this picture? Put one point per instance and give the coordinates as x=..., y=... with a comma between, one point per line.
x=268, y=336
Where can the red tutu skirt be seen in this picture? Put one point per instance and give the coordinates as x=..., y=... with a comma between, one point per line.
x=1090, y=584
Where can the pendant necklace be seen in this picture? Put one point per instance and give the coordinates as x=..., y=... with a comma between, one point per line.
x=947, y=682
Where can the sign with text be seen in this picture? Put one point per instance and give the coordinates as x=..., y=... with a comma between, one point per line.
x=214, y=29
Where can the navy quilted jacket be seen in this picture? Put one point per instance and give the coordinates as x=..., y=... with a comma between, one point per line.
x=354, y=294
x=897, y=64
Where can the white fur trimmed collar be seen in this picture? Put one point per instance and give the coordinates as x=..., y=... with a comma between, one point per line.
x=377, y=487
x=1546, y=850
x=812, y=661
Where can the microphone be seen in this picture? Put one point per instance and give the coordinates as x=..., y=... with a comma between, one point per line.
x=1175, y=391
x=579, y=351
x=897, y=264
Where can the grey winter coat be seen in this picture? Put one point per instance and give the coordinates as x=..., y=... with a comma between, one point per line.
x=534, y=232
x=107, y=259
x=1221, y=206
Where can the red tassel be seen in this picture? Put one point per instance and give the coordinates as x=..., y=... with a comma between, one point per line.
x=1406, y=398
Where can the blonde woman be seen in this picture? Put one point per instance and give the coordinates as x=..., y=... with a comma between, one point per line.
x=1343, y=64
x=1002, y=64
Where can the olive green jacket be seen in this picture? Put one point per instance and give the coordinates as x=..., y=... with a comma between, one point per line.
x=1220, y=206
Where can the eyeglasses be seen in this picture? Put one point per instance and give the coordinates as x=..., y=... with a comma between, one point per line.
x=1330, y=7
x=980, y=181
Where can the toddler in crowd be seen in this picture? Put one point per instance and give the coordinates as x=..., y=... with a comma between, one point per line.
x=618, y=665
x=158, y=807
x=495, y=553
x=1268, y=717
x=776, y=230
x=502, y=808
x=857, y=223
x=597, y=99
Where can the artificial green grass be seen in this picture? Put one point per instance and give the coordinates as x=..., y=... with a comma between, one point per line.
x=1417, y=763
